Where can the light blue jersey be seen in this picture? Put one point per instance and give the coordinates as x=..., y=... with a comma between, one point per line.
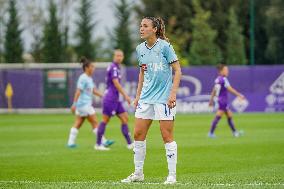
x=156, y=63
x=86, y=85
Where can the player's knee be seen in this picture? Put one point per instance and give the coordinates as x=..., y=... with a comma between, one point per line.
x=167, y=139
x=125, y=120
x=78, y=125
x=105, y=120
x=139, y=135
x=167, y=136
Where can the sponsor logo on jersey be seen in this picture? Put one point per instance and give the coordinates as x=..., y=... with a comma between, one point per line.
x=144, y=67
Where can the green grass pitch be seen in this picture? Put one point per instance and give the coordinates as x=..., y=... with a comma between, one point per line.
x=33, y=154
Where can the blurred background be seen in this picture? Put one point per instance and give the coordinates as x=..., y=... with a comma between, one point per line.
x=41, y=40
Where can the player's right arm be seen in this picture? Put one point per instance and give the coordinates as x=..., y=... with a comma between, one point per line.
x=213, y=93
x=139, y=87
x=76, y=97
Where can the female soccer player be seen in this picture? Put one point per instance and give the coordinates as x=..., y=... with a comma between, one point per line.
x=111, y=103
x=220, y=90
x=82, y=105
x=156, y=95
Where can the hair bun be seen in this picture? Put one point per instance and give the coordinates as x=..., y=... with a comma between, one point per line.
x=83, y=60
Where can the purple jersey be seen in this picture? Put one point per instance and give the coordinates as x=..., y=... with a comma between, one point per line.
x=113, y=72
x=221, y=85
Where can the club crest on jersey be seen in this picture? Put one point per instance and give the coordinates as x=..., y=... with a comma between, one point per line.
x=144, y=67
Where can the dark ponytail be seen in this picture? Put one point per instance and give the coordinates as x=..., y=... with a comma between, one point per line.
x=161, y=30
x=160, y=25
x=85, y=62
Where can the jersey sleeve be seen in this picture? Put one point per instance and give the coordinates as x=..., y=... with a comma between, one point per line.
x=138, y=56
x=113, y=73
x=81, y=84
x=170, y=54
x=226, y=82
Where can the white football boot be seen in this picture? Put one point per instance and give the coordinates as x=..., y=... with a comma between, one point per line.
x=101, y=148
x=130, y=146
x=171, y=180
x=134, y=178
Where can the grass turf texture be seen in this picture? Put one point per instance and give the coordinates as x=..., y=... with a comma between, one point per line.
x=33, y=154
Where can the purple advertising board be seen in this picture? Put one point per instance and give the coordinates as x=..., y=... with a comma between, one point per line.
x=263, y=87
x=27, y=88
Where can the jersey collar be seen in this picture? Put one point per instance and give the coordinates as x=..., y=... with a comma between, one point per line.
x=153, y=45
x=116, y=64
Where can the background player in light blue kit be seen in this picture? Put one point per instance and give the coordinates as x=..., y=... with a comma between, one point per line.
x=82, y=105
x=220, y=91
x=156, y=95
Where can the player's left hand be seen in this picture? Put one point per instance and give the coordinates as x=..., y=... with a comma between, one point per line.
x=172, y=100
x=128, y=100
x=242, y=97
x=73, y=109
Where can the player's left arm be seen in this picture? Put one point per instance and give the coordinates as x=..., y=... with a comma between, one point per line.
x=176, y=81
x=120, y=90
x=97, y=93
x=231, y=89
x=235, y=92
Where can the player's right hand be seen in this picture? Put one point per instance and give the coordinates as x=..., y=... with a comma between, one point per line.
x=210, y=103
x=73, y=109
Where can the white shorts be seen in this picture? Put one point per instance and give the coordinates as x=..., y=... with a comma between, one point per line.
x=85, y=111
x=155, y=112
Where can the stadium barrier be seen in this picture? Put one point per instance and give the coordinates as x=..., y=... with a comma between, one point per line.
x=49, y=88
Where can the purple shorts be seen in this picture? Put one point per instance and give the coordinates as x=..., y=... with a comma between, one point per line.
x=112, y=108
x=223, y=106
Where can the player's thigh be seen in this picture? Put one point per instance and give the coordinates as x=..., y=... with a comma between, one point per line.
x=220, y=113
x=167, y=130
x=79, y=122
x=229, y=114
x=141, y=128
x=123, y=117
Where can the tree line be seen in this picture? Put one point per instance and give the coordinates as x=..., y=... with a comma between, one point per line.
x=202, y=32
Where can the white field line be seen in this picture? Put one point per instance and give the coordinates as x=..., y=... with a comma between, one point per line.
x=138, y=183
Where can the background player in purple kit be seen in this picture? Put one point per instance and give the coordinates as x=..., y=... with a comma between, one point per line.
x=111, y=104
x=220, y=91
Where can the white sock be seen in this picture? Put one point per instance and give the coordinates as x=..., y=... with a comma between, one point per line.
x=95, y=131
x=171, y=154
x=139, y=155
x=72, y=136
